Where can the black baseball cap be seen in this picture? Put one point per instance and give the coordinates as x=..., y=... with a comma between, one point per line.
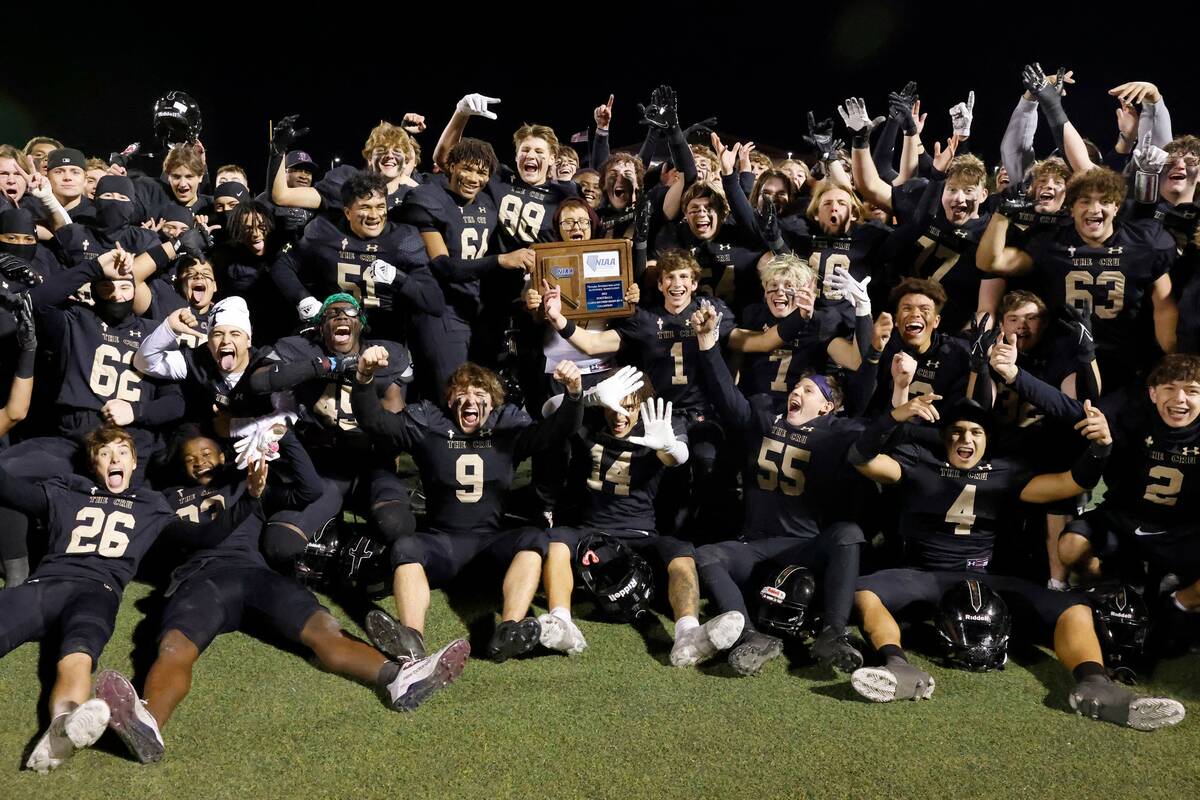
x=65, y=157
x=298, y=159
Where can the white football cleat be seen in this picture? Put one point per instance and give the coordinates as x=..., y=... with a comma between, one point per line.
x=705, y=641
x=67, y=733
x=561, y=635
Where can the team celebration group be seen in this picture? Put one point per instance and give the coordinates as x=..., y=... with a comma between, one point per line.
x=877, y=382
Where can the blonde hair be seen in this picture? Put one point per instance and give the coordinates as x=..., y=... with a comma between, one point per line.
x=786, y=266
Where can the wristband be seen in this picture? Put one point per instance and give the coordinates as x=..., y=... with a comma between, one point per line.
x=1090, y=467
x=568, y=330
x=861, y=140
x=159, y=256
x=790, y=326
x=25, y=364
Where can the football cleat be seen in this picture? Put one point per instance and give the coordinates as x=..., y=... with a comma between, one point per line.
x=755, y=650
x=67, y=733
x=419, y=680
x=833, y=649
x=896, y=682
x=395, y=640
x=1101, y=699
x=513, y=639
x=130, y=720
x=562, y=635
x=705, y=641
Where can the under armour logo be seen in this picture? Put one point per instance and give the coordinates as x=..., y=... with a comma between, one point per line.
x=371, y=248
x=984, y=468
x=1190, y=451
x=807, y=429
x=482, y=210
x=932, y=364
x=724, y=247
x=1116, y=251
x=136, y=334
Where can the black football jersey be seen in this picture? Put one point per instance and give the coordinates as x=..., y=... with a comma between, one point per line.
x=860, y=254
x=926, y=245
x=777, y=372
x=621, y=478
x=98, y=535
x=96, y=362
x=942, y=369
x=664, y=346
x=1112, y=279
x=949, y=517
x=327, y=418
x=527, y=212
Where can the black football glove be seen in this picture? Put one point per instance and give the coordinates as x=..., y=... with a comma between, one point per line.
x=26, y=331
x=900, y=107
x=1014, y=202
x=703, y=128
x=1078, y=323
x=285, y=133
x=17, y=271
x=641, y=219
x=820, y=134
x=663, y=111
x=768, y=226
x=194, y=242
x=981, y=342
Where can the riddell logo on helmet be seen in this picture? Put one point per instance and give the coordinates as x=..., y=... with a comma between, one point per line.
x=773, y=594
x=977, y=617
x=626, y=589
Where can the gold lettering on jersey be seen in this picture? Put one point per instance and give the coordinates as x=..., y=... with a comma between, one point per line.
x=122, y=503
x=109, y=337
x=677, y=333
x=457, y=444
x=481, y=444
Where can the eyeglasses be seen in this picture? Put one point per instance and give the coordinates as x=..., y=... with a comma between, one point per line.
x=350, y=312
x=576, y=224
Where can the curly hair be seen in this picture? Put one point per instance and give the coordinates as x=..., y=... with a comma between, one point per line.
x=106, y=435
x=673, y=259
x=1183, y=367
x=472, y=375
x=386, y=136
x=1101, y=181
x=931, y=289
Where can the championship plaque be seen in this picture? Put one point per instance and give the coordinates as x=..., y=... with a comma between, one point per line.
x=592, y=275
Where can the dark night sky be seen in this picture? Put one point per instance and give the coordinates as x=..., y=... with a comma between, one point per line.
x=760, y=86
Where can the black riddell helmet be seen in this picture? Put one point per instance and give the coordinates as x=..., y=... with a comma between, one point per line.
x=176, y=119
x=620, y=580
x=1122, y=624
x=784, y=603
x=974, y=623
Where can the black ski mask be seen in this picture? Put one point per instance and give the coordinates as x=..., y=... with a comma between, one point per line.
x=113, y=215
x=113, y=312
x=18, y=222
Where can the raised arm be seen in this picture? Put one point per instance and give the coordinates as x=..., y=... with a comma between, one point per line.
x=1016, y=147
x=1088, y=468
x=993, y=255
x=592, y=343
x=399, y=431
x=471, y=105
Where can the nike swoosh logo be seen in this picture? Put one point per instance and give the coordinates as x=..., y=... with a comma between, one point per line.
x=1139, y=532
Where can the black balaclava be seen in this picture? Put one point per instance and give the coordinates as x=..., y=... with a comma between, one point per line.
x=113, y=312
x=18, y=220
x=113, y=215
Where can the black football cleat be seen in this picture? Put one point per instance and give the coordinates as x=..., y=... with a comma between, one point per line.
x=393, y=639
x=513, y=639
x=755, y=650
x=833, y=649
x=1101, y=699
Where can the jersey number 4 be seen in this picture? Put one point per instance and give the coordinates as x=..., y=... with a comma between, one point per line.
x=962, y=512
x=112, y=529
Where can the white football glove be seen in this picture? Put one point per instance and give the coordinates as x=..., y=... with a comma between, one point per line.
x=1149, y=158
x=854, y=114
x=615, y=388
x=854, y=291
x=476, y=105
x=308, y=308
x=382, y=272
x=961, y=115
x=656, y=420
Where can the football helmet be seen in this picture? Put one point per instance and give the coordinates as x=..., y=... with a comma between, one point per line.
x=784, y=602
x=176, y=119
x=317, y=566
x=974, y=623
x=1122, y=625
x=620, y=580
x=363, y=565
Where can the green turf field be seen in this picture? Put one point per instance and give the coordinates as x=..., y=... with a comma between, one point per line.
x=614, y=722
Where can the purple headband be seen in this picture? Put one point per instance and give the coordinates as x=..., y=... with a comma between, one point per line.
x=823, y=385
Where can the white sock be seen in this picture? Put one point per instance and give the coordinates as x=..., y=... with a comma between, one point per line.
x=562, y=612
x=685, y=624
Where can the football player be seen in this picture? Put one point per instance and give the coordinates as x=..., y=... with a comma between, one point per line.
x=457, y=220
x=795, y=478
x=939, y=225
x=621, y=458
x=116, y=222
x=216, y=587
x=467, y=452
x=99, y=530
x=65, y=172
x=1098, y=263
x=953, y=506
x=381, y=263
x=662, y=341
x=1149, y=510
x=317, y=371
